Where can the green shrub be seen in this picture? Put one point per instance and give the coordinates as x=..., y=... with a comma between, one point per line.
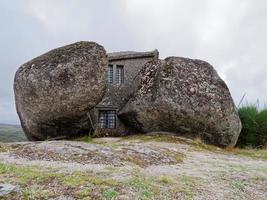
x=254, y=127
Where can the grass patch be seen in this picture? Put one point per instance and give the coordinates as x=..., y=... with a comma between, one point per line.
x=166, y=156
x=255, y=153
x=2, y=148
x=25, y=175
x=91, y=140
x=48, y=184
x=165, y=180
x=145, y=187
x=5, y=168
x=188, y=185
x=240, y=185
x=107, y=182
x=258, y=178
x=84, y=138
x=140, y=183
x=164, y=187
x=110, y=193
x=156, y=138
x=136, y=160
x=74, y=179
x=6, y=148
x=36, y=192
x=252, y=153
x=200, y=145
x=79, y=178
x=83, y=193
x=197, y=143
x=10, y=147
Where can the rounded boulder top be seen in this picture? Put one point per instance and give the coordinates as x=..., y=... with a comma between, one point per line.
x=58, y=88
x=185, y=96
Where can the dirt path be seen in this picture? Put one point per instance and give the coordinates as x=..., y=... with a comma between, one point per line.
x=143, y=168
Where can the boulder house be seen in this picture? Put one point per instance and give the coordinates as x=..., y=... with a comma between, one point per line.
x=123, y=67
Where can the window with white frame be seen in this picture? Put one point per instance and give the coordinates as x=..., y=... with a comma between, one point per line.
x=119, y=74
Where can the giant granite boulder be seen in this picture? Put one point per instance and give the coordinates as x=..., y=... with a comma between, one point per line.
x=185, y=96
x=54, y=91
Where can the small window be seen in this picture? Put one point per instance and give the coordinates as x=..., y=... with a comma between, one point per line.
x=110, y=73
x=119, y=74
x=107, y=119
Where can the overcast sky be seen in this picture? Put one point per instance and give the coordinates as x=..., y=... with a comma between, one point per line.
x=229, y=34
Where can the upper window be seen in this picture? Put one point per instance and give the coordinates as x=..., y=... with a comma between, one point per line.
x=119, y=74
x=110, y=73
x=107, y=119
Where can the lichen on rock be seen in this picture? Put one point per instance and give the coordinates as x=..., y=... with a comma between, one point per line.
x=185, y=96
x=54, y=91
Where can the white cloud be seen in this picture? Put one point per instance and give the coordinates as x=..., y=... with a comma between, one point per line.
x=231, y=35
x=61, y=17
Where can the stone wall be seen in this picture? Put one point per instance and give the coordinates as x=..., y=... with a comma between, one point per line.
x=116, y=96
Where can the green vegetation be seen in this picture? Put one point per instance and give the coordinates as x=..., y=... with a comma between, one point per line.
x=11, y=133
x=84, y=138
x=253, y=153
x=83, y=185
x=25, y=176
x=197, y=143
x=240, y=185
x=118, y=182
x=110, y=193
x=165, y=179
x=147, y=188
x=254, y=127
x=188, y=185
x=48, y=183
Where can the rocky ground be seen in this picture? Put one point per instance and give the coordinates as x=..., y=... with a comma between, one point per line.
x=135, y=167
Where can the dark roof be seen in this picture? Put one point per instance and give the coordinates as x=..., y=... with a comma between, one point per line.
x=122, y=55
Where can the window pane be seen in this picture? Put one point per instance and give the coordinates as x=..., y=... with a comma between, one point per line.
x=119, y=74
x=111, y=119
x=110, y=73
x=102, y=119
x=107, y=119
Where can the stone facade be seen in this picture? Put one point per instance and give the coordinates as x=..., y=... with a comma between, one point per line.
x=117, y=95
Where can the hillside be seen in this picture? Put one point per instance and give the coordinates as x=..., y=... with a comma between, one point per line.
x=11, y=133
x=135, y=167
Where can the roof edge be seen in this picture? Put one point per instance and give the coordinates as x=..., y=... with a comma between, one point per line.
x=132, y=55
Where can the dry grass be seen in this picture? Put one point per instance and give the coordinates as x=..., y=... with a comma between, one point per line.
x=253, y=153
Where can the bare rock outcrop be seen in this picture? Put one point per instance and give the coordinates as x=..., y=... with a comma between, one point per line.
x=185, y=96
x=54, y=91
